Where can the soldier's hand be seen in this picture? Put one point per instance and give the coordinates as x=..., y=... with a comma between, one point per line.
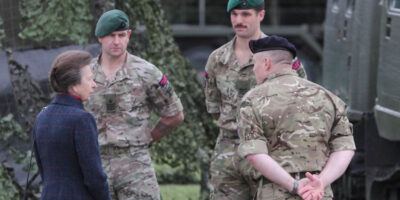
x=302, y=183
x=313, y=189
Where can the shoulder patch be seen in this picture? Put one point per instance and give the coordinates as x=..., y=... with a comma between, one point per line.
x=296, y=64
x=205, y=75
x=165, y=86
x=163, y=81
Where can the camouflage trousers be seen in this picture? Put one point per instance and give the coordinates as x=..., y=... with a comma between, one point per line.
x=130, y=173
x=227, y=180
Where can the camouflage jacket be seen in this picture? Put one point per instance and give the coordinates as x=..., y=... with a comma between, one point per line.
x=227, y=82
x=296, y=122
x=122, y=107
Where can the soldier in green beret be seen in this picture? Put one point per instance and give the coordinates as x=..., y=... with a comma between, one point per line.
x=128, y=90
x=229, y=76
x=293, y=131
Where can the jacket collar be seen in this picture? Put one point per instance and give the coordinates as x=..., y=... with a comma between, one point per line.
x=68, y=100
x=99, y=76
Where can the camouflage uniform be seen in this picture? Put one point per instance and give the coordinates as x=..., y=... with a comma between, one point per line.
x=296, y=122
x=226, y=83
x=122, y=109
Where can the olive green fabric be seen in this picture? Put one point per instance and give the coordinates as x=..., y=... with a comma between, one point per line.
x=110, y=21
x=242, y=4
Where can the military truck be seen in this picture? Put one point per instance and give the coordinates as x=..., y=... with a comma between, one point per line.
x=361, y=64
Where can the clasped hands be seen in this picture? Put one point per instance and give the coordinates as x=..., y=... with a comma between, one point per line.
x=311, y=187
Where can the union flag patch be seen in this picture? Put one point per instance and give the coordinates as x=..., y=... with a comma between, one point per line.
x=205, y=74
x=296, y=65
x=165, y=86
x=163, y=81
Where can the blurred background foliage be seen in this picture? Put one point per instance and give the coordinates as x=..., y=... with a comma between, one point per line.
x=56, y=20
x=11, y=136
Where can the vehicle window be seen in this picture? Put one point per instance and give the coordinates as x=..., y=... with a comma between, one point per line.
x=396, y=4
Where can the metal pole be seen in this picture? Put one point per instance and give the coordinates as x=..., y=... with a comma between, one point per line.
x=202, y=12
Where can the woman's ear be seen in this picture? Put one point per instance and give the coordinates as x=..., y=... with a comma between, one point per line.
x=73, y=90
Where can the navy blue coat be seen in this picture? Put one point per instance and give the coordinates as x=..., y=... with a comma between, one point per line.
x=67, y=152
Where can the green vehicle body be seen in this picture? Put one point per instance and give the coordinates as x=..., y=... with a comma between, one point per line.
x=361, y=64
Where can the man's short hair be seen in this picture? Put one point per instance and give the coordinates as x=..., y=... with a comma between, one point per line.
x=278, y=56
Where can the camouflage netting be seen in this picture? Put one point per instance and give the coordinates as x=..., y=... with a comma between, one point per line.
x=28, y=95
x=12, y=134
x=14, y=139
x=56, y=20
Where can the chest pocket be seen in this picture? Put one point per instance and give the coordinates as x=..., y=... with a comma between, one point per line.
x=245, y=81
x=242, y=86
x=226, y=85
x=110, y=102
x=124, y=95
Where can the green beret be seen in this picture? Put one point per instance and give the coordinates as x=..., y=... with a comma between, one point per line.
x=110, y=21
x=242, y=4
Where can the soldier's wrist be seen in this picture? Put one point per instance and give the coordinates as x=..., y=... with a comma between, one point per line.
x=295, y=186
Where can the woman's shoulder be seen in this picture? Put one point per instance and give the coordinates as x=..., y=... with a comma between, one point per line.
x=84, y=114
x=76, y=113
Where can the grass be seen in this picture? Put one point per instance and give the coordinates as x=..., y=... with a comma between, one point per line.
x=180, y=192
